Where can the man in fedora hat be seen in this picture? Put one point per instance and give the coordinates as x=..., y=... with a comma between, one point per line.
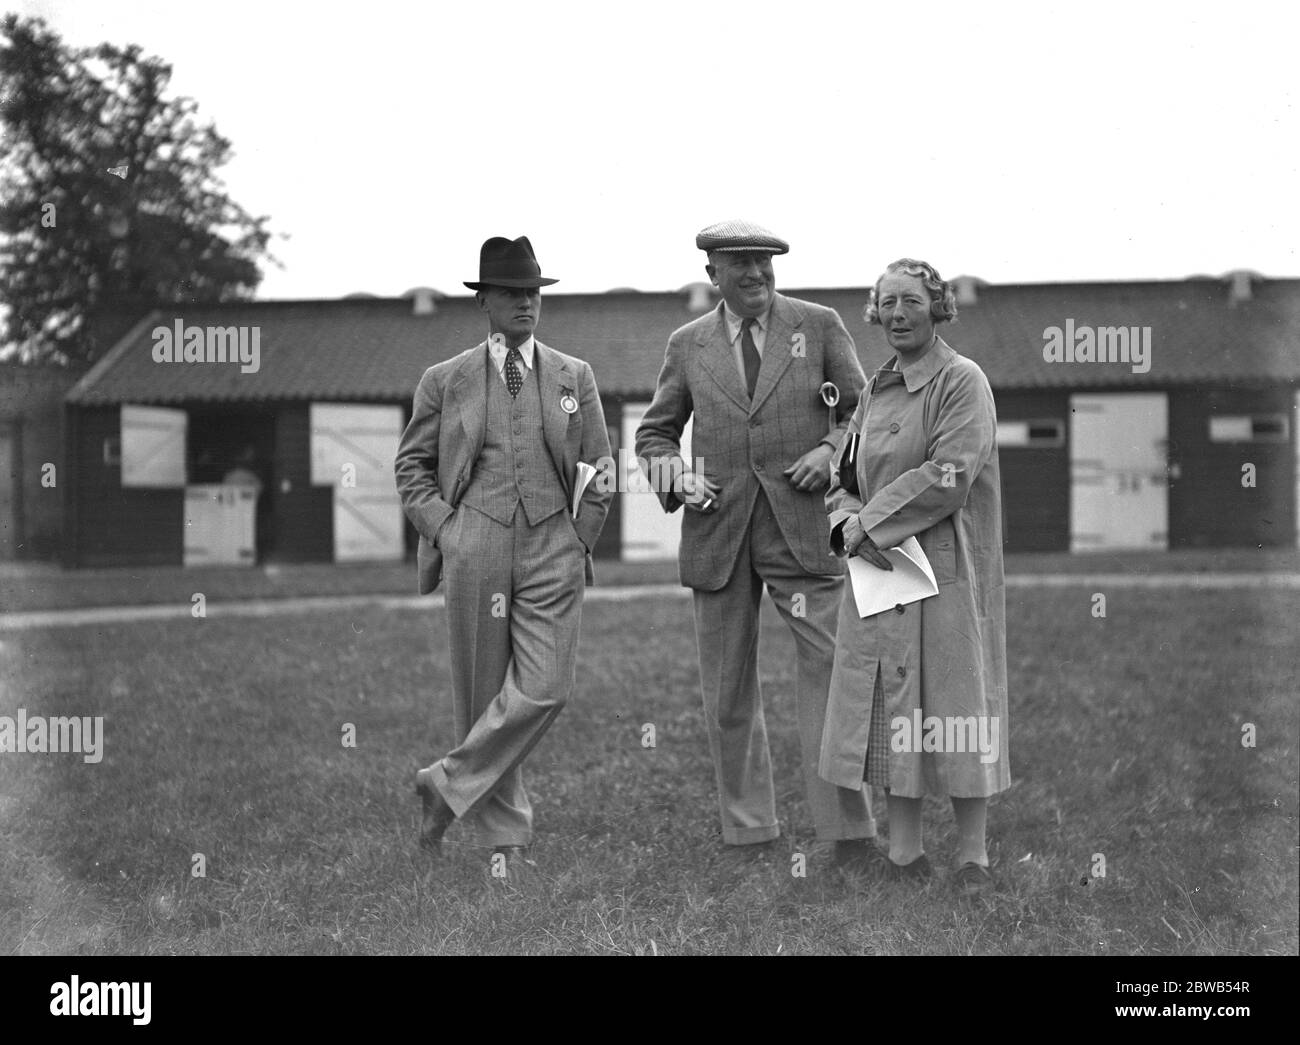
x=751, y=372
x=488, y=470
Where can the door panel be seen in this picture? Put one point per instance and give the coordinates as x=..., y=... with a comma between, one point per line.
x=352, y=450
x=1118, y=472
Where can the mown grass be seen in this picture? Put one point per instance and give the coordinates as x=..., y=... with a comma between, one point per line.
x=224, y=738
x=26, y=587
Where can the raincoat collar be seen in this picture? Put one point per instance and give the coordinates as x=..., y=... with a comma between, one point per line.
x=917, y=375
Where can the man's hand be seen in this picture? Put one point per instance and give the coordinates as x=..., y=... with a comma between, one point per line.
x=856, y=542
x=697, y=492
x=812, y=471
x=442, y=530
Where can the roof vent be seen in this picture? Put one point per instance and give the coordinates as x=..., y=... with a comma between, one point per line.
x=966, y=288
x=700, y=296
x=424, y=300
x=1239, y=285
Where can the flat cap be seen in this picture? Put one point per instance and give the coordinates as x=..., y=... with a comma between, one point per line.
x=740, y=236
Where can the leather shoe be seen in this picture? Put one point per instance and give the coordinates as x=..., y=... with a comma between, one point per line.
x=916, y=871
x=973, y=880
x=859, y=856
x=437, y=814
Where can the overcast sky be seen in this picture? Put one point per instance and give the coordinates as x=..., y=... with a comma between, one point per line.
x=1015, y=142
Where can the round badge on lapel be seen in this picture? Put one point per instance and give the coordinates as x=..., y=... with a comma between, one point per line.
x=568, y=404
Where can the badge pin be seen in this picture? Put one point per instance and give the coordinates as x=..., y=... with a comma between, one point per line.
x=568, y=404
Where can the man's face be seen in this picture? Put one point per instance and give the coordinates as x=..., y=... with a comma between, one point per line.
x=903, y=305
x=512, y=311
x=744, y=278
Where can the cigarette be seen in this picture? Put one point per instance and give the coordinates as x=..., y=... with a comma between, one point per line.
x=705, y=506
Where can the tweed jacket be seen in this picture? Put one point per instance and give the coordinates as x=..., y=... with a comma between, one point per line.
x=745, y=446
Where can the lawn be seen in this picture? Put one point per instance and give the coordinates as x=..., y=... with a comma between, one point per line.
x=223, y=738
x=33, y=586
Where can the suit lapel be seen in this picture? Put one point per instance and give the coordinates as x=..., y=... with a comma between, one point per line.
x=554, y=374
x=468, y=391
x=777, y=349
x=719, y=361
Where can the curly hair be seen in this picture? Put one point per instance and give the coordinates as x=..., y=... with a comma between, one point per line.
x=943, y=302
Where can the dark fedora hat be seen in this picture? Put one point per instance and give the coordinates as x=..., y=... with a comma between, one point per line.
x=509, y=263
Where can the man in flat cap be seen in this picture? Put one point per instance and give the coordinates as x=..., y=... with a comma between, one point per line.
x=751, y=372
x=488, y=470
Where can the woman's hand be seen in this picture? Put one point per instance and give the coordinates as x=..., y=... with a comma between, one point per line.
x=856, y=542
x=852, y=534
x=868, y=550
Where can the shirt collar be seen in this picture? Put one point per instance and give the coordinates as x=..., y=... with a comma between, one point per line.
x=917, y=375
x=499, y=351
x=734, y=321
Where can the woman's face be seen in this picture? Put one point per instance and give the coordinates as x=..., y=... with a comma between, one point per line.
x=903, y=305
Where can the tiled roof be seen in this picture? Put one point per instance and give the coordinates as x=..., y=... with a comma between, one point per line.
x=376, y=349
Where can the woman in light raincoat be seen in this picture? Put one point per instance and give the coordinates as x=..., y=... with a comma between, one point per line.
x=918, y=697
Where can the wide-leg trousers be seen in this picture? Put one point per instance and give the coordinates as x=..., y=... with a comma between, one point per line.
x=514, y=605
x=727, y=630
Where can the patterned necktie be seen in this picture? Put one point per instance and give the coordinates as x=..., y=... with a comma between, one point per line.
x=514, y=379
x=749, y=353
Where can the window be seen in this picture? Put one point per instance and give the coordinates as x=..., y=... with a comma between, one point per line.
x=1034, y=435
x=1249, y=428
x=152, y=446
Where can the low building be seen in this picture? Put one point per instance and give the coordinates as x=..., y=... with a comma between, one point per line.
x=1131, y=415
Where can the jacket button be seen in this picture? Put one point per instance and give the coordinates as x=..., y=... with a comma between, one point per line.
x=902, y=672
x=893, y=427
x=901, y=609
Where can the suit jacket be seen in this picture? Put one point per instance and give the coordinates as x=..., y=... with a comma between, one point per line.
x=441, y=444
x=743, y=446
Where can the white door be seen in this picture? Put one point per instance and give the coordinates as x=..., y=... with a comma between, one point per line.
x=648, y=532
x=219, y=525
x=1118, y=472
x=352, y=450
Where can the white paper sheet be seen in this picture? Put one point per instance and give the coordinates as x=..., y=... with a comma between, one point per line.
x=911, y=579
x=586, y=473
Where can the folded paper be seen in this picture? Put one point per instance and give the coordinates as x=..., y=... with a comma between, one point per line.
x=911, y=579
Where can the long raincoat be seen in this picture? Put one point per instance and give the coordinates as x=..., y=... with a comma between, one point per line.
x=927, y=467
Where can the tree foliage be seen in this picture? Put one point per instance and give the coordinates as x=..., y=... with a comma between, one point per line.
x=109, y=198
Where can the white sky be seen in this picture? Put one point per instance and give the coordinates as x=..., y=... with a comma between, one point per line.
x=1016, y=142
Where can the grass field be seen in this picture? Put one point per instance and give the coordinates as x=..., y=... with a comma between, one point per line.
x=224, y=738
x=46, y=586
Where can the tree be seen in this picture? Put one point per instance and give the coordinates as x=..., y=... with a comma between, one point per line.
x=109, y=198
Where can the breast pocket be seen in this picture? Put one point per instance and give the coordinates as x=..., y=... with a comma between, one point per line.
x=939, y=543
